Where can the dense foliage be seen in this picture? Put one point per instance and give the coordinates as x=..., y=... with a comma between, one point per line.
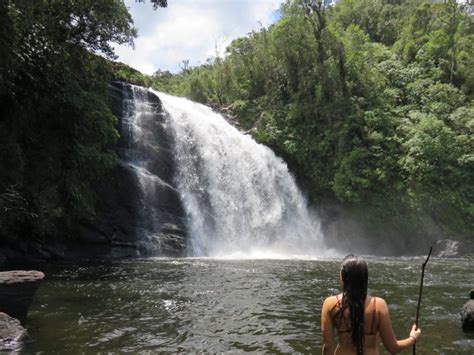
x=370, y=101
x=56, y=124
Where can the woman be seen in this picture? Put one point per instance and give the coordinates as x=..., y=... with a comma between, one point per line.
x=359, y=318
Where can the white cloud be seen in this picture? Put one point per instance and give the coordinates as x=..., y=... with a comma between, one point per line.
x=190, y=29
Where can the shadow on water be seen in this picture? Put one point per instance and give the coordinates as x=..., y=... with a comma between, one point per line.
x=195, y=305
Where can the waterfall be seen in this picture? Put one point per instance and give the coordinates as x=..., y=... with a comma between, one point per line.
x=239, y=198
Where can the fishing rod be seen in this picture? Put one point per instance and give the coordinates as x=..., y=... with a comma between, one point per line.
x=423, y=266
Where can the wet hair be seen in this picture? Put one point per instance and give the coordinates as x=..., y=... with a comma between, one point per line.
x=354, y=275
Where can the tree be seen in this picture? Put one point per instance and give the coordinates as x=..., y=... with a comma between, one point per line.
x=370, y=102
x=56, y=126
x=156, y=3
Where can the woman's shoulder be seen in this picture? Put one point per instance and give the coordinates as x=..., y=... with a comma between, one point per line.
x=331, y=301
x=376, y=298
x=334, y=298
x=380, y=303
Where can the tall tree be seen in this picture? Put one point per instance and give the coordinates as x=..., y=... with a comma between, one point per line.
x=56, y=127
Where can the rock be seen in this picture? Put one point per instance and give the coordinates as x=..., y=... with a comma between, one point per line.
x=3, y=259
x=141, y=198
x=467, y=313
x=227, y=113
x=14, y=254
x=57, y=251
x=138, y=211
x=11, y=332
x=16, y=291
x=447, y=248
x=37, y=250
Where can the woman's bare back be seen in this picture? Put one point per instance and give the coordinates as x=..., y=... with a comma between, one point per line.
x=342, y=325
x=376, y=325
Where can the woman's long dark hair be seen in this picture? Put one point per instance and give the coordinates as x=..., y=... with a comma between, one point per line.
x=355, y=275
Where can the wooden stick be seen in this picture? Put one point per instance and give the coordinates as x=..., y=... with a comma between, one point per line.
x=421, y=291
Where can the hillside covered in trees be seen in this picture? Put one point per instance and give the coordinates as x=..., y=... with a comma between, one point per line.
x=370, y=102
x=57, y=129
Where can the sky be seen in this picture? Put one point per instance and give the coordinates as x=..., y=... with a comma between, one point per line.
x=191, y=30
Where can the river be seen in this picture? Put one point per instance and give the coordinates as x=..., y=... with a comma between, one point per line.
x=228, y=305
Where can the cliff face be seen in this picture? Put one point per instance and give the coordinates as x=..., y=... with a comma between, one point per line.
x=140, y=212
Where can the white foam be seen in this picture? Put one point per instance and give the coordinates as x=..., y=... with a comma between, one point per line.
x=240, y=199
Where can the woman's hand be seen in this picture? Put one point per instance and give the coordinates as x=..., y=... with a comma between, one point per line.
x=415, y=333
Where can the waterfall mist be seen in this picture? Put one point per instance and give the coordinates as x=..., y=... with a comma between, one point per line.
x=239, y=198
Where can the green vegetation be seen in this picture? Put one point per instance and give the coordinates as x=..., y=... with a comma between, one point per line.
x=371, y=103
x=56, y=126
x=127, y=74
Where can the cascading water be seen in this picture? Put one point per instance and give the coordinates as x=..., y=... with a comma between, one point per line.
x=239, y=198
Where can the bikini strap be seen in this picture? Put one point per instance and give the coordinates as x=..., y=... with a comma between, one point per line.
x=374, y=316
x=337, y=304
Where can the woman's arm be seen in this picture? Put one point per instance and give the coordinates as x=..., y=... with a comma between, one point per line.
x=326, y=326
x=387, y=334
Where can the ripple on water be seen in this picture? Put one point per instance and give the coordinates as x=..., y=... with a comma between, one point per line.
x=208, y=305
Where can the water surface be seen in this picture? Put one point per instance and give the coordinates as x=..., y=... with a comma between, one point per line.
x=196, y=305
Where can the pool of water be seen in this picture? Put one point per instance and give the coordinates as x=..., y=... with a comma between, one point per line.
x=210, y=305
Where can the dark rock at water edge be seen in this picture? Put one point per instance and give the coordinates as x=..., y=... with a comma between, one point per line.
x=12, y=333
x=16, y=291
